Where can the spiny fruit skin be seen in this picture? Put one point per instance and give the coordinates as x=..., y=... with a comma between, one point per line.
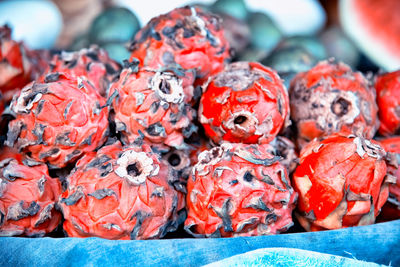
x=188, y=37
x=27, y=197
x=92, y=63
x=331, y=98
x=121, y=193
x=388, y=98
x=18, y=65
x=151, y=105
x=55, y=122
x=341, y=182
x=246, y=103
x=391, y=209
x=239, y=190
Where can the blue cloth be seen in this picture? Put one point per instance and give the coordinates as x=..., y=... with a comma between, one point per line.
x=378, y=243
x=289, y=257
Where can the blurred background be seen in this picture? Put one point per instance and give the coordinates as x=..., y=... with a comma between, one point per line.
x=288, y=35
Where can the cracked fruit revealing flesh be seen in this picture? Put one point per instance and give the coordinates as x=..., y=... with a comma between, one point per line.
x=388, y=98
x=27, y=197
x=151, y=105
x=391, y=209
x=93, y=63
x=58, y=120
x=245, y=103
x=341, y=182
x=331, y=98
x=122, y=193
x=188, y=37
x=239, y=190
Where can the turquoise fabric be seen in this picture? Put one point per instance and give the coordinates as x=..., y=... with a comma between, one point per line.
x=379, y=243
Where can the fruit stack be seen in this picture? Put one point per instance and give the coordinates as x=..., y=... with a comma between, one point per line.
x=181, y=136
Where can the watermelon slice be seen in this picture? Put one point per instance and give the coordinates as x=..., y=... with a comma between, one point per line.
x=375, y=27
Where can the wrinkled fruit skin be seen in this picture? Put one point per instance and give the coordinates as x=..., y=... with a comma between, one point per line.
x=92, y=63
x=239, y=190
x=341, y=183
x=388, y=99
x=27, y=197
x=330, y=98
x=187, y=37
x=59, y=120
x=121, y=193
x=151, y=105
x=18, y=65
x=246, y=103
x=391, y=209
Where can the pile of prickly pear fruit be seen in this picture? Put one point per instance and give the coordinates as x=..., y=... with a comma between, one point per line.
x=185, y=137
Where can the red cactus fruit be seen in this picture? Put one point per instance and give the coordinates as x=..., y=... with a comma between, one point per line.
x=27, y=197
x=92, y=63
x=330, y=98
x=246, y=103
x=239, y=190
x=391, y=209
x=18, y=65
x=187, y=37
x=121, y=193
x=59, y=120
x=151, y=105
x=388, y=98
x=341, y=182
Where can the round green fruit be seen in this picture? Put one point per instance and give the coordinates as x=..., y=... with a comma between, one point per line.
x=310, y=43
x=265, y=35
x=114, y=25
x=235, y=8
